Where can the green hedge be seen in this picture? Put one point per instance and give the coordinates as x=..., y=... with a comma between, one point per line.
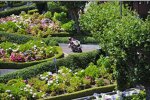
x=15, y=38
x=18, y=3
x=16, y=10
x=72, y=61
x=21, y=39
x=82, y=93
x=82, y=39
x=15, y=65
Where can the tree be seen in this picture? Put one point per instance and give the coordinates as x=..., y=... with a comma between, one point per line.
x=41, y=6
x=125, y=39
x=73, y=8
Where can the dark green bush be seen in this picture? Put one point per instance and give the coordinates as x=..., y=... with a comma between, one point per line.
x=80, y=60
x=55, y=7
x=21, y=39
x=2, y=4
x=16, y=10
x=69, y=26
x=32, y=11
x=127, y=42
x=18, y=3
x=15, y=38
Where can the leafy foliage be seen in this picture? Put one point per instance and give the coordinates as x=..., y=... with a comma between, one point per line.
x=126, y=42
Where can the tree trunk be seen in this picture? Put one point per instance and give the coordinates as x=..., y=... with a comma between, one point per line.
x=147, y=89
x=75, y=13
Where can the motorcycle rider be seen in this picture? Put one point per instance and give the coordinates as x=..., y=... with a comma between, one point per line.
x=73, y=43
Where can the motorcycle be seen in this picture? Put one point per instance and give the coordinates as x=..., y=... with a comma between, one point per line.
x=75, y=46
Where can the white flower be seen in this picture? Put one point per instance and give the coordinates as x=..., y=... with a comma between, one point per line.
x=28, y=86
x=8, y=91
x=59, y=71
x=35, y=46
x=46, y=79
x=42, y=78
x=50, y=73
x=10, y=95
x=82, y=70
x=63, y=74
x=31, y=92
x=46, y=76
x=34, y=93
x=50, y=82
x=43, y=95
x=40, y=75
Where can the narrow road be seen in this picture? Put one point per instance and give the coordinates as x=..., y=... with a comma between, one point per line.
x=85, y=48
x=66, y=50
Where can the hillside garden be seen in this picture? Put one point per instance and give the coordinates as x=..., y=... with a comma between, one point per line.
x=29, y=41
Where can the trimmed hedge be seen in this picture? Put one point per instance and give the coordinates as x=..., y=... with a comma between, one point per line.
x=16, y=10
x=72, y=61
x=21, y=39
x=82, y=93
x=18, y=65
x=17, y=4
x=82, y=39
x=15, y=38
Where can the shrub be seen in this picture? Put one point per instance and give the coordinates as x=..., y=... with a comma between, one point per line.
x=60, y=16
x=32, y=11
x=69, y=26
x=92, y=71
x=48, y=14
x=125, y=41
x=18, y=3
x=16, y=10
x=55, y=7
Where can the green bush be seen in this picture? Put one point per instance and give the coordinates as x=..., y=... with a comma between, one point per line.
x=16, y=10
x=21, y=39
x=126, y=42
x=14, y=38
x=92, y=71
x=69, y=26
x=32, y=11
x=2, y=4
x=60, y=17
x=18, y=3
x=53, y=6
x=72, y=61
x=48, y=14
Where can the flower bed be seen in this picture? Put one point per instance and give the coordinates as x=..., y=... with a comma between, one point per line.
x=35, y=24
x=30, y=51
x=62, y=82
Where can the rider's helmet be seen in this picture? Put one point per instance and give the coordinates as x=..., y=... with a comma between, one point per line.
x=69, y=38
